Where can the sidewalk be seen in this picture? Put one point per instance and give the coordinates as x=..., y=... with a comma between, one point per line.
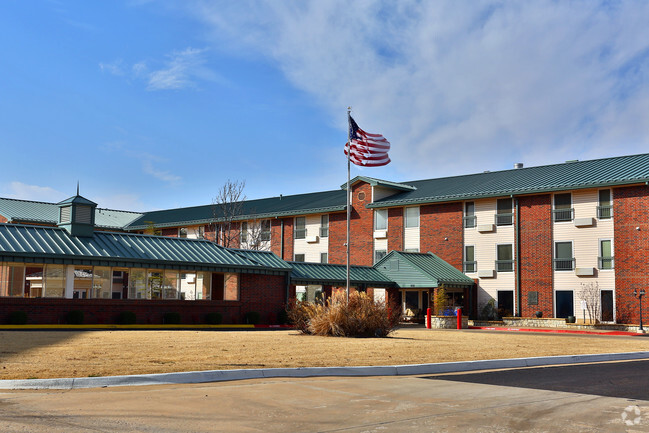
x=560, y=330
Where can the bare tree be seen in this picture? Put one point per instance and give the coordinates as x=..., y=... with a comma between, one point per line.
x=590, y=296
x=227, y=207
x=257, y=235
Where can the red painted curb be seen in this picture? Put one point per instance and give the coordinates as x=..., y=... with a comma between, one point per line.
x=558, y=331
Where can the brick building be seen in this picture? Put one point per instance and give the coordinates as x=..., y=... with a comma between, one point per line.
x=533, y=239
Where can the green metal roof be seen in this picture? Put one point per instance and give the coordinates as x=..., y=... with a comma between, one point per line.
x=379, y=182
x=336, y=275
x=77, y=199
x=38, y=244
x=419, y=270
x=263, y=258
x=598, y=173
x=300, y=204
x=48, y=213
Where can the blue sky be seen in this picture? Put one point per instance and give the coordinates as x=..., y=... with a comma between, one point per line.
x=156, y=104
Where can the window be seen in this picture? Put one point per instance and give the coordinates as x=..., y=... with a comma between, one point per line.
x=504, y=258
x=264, y=235
x=300, y=227
x=299, y=258
x=324, y=226
x=54, y=281
x=412, y=250
x=380, y=219
x=504, y=214
x=605, y=208
x=12, y=278
x=469, y=215
x=244, y=232
x=412, y=217
x=137, y=284
x=605, y=260
x=379, y=254
x=102, y=287
x=191, y=286
x=563, y=260
x=324, y=258
x=469, y=259
x=563, y=207
x=182, y=232
x=201, y=232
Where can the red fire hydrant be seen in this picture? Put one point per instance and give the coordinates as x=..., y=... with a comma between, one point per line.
x=459, y=318
x=428, y=318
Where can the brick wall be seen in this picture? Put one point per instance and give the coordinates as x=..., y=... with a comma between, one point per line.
x=395, y=229
x=337, y=238
x=276, y=238
x=439, y=222
x=3, y=219
x=536, y=253
x=631, y=249
x=106, y=311
x=265, y=294
x=362, y=226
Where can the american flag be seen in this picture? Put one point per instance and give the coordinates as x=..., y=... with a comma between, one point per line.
x=367, y=150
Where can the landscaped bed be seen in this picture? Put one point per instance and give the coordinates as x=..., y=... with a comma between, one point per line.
x=50, y=354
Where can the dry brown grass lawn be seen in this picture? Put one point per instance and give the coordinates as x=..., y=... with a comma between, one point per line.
x=48, y=354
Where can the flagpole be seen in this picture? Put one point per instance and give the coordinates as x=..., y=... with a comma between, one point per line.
x=349, y=193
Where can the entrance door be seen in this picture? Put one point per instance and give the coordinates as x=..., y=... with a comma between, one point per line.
x=607, y=305
x=565, y=303
x=505, y=303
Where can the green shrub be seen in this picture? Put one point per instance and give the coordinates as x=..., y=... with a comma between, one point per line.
x=252, y=317
x=126, y=318
x=171, y=318
x=214, y=318
x=358, y=316
x=18, y=317
x=74, y=317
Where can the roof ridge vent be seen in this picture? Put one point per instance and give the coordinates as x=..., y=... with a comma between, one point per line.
x=518, y=165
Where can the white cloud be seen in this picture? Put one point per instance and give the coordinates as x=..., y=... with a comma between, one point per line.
x=166, y=176
x=23, y=191
x=181, y=69
x=461, y=86
x=115, y=68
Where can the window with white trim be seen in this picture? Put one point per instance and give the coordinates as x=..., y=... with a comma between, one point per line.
x=380, y=219
x=412, y=217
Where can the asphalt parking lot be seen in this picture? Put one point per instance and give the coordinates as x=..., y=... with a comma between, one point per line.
x=603, y=397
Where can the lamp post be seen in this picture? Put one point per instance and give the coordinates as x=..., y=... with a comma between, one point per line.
x=639, y=294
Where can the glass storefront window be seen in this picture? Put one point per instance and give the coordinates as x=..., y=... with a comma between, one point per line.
x=203, y=285
x=12, y=278
x=155, y=284
x=54, y=281
x=170, y=285
x=82, y=283
x=101, y=283
x=33, y=281
x=137, y=287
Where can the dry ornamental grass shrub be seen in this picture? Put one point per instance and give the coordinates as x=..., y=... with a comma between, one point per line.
x=360, y=316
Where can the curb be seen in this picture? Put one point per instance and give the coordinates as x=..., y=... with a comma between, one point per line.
x=556, y=331
x=396, y=370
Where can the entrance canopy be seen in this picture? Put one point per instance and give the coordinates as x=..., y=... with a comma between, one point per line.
x=420, y=270
x=336, y=275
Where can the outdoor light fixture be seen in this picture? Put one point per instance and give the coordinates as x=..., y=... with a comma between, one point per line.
x=639, y=295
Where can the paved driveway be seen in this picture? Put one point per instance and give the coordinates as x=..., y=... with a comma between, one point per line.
x=606, y=397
